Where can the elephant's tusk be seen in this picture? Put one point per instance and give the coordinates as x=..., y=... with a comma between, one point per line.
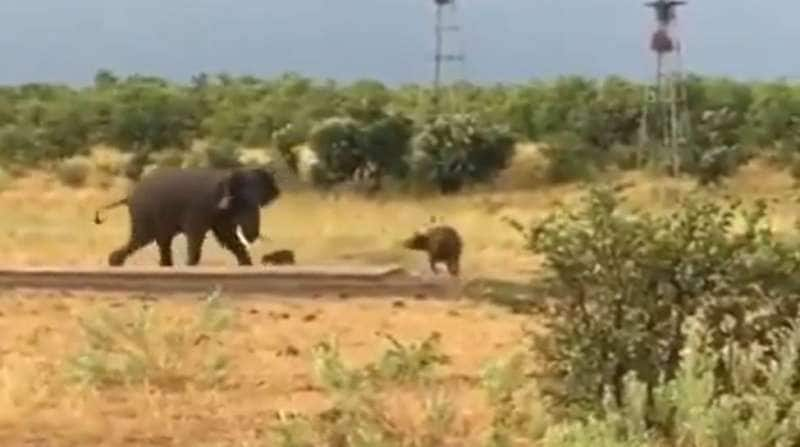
x=241, y=237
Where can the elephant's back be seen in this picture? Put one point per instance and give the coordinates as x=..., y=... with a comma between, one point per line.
x=175, y=185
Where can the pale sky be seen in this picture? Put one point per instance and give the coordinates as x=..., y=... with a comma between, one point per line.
x=389, y=40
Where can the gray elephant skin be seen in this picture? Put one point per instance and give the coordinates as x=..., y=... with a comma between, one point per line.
x=193, y=201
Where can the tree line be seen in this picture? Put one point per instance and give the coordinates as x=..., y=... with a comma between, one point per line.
x=365, y=129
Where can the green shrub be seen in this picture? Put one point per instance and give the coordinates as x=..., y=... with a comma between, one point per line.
x=695, y=407
x=608, y=117
x=717, y=163
x=362, y=150
x=453, y=151
x=360, y=410
x=409, y=363
x=337, y=143
x=628, y=280
x=19, y=144
x=133, y=348
x=74, y=171
x=569, y=159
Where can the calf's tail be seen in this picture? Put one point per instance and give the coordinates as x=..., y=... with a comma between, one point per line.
x=97, y=219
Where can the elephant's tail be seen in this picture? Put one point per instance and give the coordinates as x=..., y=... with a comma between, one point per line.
x=97, y=219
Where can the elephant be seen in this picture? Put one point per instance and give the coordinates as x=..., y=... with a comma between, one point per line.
x=192, y=201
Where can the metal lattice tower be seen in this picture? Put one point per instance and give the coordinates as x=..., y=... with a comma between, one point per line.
x=446, y=24
x=665, y=116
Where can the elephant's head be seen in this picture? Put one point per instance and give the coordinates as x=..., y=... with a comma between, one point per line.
x=245, y=191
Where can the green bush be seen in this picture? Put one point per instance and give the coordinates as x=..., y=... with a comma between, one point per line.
x=145, y=346
x=717, y=163
x=609, y=116
x=717, y=152
x=19, y=144
x=569, y=159
x=366, y=148
x=360, y=411
x=694, y=407
x=627, y=281
x=148, y=117
x=453, y=151
x=74, y=171
x=337, y=143
x=40, y=122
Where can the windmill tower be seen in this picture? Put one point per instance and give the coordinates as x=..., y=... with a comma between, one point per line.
x=664, y=117
x=446, y=24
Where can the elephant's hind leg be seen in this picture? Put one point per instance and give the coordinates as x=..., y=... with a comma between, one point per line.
x=138, y=239
x=118, y=256
x=226, y=236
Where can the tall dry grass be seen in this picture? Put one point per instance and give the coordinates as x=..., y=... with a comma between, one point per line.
x=46, y=222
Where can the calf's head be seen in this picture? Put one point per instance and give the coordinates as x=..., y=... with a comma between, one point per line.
x=418, y=241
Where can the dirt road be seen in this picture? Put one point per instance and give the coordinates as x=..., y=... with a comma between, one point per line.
x=304, y=281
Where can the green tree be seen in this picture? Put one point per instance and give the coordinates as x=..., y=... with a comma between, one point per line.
x=453, y=151
x=151, y=118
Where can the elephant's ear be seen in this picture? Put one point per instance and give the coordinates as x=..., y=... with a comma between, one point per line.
x=227, y=189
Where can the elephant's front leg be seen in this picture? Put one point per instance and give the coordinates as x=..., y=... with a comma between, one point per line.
x=226, y=236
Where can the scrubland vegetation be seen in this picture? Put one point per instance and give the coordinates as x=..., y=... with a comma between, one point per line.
x=605, y=302
x=367, y=133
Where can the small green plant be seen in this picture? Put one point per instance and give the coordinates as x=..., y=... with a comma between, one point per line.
x=409, y=363
x=144, y=346
x=292, y=431
x=74, y=172
x=331, y=372
x=360, y=414
x=520, y=411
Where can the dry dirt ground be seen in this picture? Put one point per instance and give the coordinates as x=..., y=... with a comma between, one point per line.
x=45, y=223
x=39, y=407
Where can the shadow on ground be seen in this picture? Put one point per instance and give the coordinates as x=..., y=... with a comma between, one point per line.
x=521, y=297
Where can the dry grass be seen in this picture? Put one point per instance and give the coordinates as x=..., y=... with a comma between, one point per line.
x=52, y=224
x=47, y=223
x=37, y=403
